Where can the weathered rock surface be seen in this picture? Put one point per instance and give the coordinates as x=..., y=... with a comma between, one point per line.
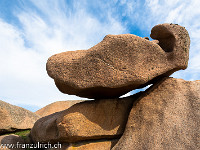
x=12, y=141
x=14, y=117
x=56, y=107
x=120, y=63
x=165, y=117
x=87, y=120
x=89, y=145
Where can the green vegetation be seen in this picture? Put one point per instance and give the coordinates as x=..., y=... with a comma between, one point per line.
x=23, y=134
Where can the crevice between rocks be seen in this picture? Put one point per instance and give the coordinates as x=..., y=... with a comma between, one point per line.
x=11, y=131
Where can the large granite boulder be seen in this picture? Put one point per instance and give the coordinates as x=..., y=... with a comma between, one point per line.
x=165, y=117
x=15, y=118
x=56, y=107
x=98, y=119
x=121, y=63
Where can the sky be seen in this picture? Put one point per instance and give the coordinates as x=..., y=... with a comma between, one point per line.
x=33, y=30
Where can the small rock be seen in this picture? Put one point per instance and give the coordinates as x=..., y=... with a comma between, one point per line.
x=11, y=141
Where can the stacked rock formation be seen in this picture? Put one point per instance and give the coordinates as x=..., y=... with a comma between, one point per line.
x=165, y=116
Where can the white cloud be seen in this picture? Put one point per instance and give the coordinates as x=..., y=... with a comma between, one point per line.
x=185, y=13
x=126, y=95
x=23, y=78
x=50, y=27
x=25, y=50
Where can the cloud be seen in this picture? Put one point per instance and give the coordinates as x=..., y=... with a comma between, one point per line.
x=46, y=28
x=22, y=78
x=185, y=13
x=40, y=29
x=145, y=14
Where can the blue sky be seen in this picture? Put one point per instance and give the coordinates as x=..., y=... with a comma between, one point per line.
x=33, y=30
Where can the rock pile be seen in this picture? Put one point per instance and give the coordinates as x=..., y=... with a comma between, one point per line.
x=166, y=116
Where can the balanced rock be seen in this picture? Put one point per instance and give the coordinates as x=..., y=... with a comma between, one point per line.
x=14, y=118
x=99, y=119
x=165, y=117
x=121, y=63
x=56, y=107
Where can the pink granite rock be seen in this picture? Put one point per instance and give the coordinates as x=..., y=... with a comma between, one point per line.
x=165, y=117
x=121, y=63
